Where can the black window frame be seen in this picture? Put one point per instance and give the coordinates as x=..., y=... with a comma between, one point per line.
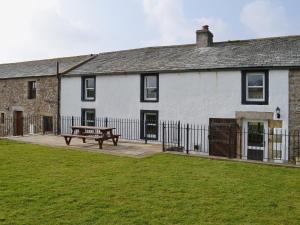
x=83, y=95
x=142, y=87
x=83, y=119
x=245, y=101
x=142, y=124
x=31, y=89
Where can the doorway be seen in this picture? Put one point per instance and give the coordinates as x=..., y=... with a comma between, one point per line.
x=256, y=140
x=18, y=123
x=223, y=137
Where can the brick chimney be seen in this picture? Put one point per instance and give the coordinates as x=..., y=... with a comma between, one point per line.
x=204, y=37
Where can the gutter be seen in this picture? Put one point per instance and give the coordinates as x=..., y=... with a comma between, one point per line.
x=188, y=70
x=58, y=127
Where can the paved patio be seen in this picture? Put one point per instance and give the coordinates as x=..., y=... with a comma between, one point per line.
x=125, y=148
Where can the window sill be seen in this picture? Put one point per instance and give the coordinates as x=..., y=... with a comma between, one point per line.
x=88, y=100
x=156, y=100
x=255, y=103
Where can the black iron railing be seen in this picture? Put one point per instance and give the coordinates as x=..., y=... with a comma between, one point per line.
x=231, y=142
x=29, y=124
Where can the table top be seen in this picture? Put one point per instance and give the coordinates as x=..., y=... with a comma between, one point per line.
x=92, y=128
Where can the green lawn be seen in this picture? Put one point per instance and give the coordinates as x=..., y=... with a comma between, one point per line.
x=42, y=185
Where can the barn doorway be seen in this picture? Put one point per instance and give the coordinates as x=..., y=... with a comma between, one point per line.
x=18, y=123
x=223, y=137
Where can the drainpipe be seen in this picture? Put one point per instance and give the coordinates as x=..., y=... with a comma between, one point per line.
x=58, y=98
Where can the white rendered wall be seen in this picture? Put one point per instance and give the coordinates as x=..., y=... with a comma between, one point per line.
x=189, y=97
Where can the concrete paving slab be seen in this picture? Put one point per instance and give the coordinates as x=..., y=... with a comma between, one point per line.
x=124, y=148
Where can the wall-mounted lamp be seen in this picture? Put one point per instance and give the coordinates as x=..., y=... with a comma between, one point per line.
x=278, y=112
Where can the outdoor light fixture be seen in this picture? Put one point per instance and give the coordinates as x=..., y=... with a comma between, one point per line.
x=278, y=112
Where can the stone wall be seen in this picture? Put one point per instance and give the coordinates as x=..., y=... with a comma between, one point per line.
x=14, y=96
x=294, y=100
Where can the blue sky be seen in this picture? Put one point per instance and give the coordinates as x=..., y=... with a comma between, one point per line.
x=38, y=29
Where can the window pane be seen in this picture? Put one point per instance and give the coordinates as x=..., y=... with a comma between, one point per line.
x=90, y=93
x=255, y=80
x=31, y=89
x=90, y=83
x=256, y=134
x=255, y=93
x=151, y=118
x=151, y=124
x=90, y=116
x=151, y=131
x=150, y=81
x=151, y=93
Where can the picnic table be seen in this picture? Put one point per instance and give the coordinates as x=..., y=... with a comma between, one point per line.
x=99, y=134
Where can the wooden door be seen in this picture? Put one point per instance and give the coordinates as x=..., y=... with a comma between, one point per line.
x=223, y=137
x=18, y=120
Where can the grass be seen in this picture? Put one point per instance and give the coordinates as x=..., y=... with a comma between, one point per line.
x=43, y=185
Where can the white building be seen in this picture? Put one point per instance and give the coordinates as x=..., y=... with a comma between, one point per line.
x=248, y=84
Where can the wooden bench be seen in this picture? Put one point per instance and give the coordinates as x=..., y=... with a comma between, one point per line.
x=99, y=138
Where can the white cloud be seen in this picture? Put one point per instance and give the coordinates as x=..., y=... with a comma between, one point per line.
x=168, y=18
x=219, y=27
x=34, y=29
x=266, y=18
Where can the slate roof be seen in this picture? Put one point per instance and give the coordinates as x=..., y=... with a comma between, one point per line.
x=264, y=53
x=40, y=67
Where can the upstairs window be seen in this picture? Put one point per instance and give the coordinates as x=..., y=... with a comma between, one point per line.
x=88, y=88
x=31, y=89
x=149, y=87
x=255, y=87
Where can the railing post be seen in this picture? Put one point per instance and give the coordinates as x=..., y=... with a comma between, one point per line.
x=187, y=138
x=178, y=134
x=72, y=120
x=145, y=133
x=163, y=137
x=106, y=122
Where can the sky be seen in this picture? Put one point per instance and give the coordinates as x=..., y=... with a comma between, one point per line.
x=39, y=29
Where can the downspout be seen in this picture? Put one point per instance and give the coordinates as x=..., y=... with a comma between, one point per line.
x=58, y=98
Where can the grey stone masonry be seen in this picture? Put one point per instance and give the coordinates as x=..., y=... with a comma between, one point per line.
x=14, y=96
x=294, y=100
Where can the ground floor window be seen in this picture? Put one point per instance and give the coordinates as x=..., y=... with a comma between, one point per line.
x=47, y=124
x=88, y=117
x=2, y=118
x=149, y=124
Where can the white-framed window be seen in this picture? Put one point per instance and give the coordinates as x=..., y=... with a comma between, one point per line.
x=89, y=88
x=255, y=87
x=88, y=117
x=149, y=88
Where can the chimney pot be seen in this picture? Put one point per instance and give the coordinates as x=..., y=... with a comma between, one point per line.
x=205, y=27
x=204, y=38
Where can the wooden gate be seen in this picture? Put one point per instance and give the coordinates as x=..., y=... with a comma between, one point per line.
x=18, y=123
x=223, y=137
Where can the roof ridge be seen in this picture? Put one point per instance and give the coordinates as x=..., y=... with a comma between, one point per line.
x=149, y=47
x=258, y=39
x=48, y=59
